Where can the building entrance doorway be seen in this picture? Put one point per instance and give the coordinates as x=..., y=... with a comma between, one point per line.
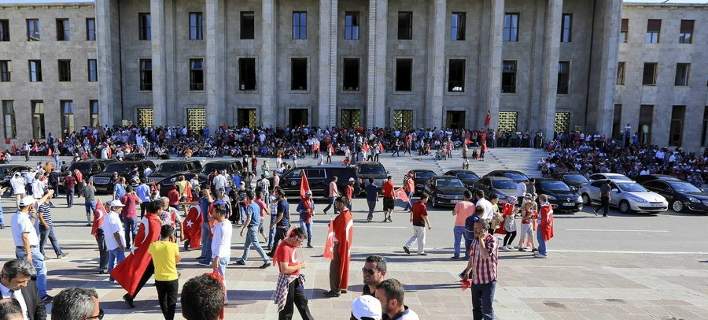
x=246, y=118
x=297, y=118
x=455, y=120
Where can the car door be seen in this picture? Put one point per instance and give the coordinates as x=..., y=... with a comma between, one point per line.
x=318, y=181
x=661, y=188
x=593, y=190
x=615, y=194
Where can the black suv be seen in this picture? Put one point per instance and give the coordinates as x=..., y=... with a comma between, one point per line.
x=560, y=195
x=88, y=168
x=503, y=187
x=371, y=170
x=319, y=178
x=102, y=181
x=172, y=167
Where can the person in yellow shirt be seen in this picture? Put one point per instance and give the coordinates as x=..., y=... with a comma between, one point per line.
x=165, y=256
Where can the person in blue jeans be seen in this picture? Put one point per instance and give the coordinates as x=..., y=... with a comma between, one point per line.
x=26, y=242
x=204, y=203
x=89, y=193
x=253, y=222
x=372, y=196
x=462, y=208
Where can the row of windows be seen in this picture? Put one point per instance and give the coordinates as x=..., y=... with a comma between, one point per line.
x=196, y=25
x=646, y=124
x=34, y=68
x=650, y=72
x=63, y=29
x=66, y=112
x=653, y=34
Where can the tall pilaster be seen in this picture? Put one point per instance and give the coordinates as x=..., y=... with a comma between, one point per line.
x=215, y=66
x=551, y=51
x=436, y=65
x=608, y=66
x=327, y=112
x=376, y=67
x=269, y=116
x=159, y=62
x=108, y=100
x=492, y=60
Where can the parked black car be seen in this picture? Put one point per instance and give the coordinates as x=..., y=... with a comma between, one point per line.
x=650, y=177
x=503, y=187
x=371, y=170
x=466, y=176
x=169, y=168
x=319, y=178
x=420, y=178
x=561, y=197
x=680, y=194
x=445, y=190
x=126, y=169
x=169, y=182
x=88, y=168
x=574, y=180
x=230, y=166
x=515, y=175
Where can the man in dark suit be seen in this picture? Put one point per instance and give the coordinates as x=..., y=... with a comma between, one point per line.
x=16, y=282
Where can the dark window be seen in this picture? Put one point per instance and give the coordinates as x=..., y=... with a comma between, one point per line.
x=37, y=119
x=32, y=30
x=567, y=28
x=5, y=71
x=620, y=73
x=351, y=25
x=686, y=31
x=617, y=121
x=511, y=27
x=196, y=74
x=653, y=30
x=405, y=25
x=64, y=70
x=67, y=116
x=705, y=126
x=4, y=30
x=563, y=77
x=247, y=74
x=456, y=75
x=508, y=76
x=298, y=74
x=144, y=25
x=649, y=75
x=145, y=74
x=404, y=77
x=646, y=118
x=196, y=26
x=63, y=32
x=90, y=29
x=457, y=26
x=299, y=25
x=624, y=30
x=248, y=29
x=92, y=70
x=350, y=75
x=35, y=70
x=8, y=118
x=683, y=71
x=93, y=108
x=676, y=128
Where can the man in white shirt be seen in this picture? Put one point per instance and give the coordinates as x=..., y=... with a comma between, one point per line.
x=484, y=203
x=221, y=242
x=27, y=244
x=114, y=235
x=219, y=182
x=18, y=186
x=16, y=283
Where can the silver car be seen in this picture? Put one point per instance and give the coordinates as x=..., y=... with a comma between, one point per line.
x=627, y=196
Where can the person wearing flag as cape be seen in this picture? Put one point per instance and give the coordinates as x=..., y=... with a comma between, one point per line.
x=137, y=268
x=339, y=245
x=192, y=231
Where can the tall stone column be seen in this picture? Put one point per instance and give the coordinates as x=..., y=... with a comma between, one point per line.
x=269, y=116
x=608, y=66
x=376, y=66
x=108, y=77
x=436, y=65
x=215, y=65
x=551, y=52
x=159, y=63
x=492, y=61
x=327, y=112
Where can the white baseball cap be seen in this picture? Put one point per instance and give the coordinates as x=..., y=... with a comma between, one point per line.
x=26, y=201
x=366, y=307
x=116, y=203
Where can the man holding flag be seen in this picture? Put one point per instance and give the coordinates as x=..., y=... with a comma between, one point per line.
x=338, y=247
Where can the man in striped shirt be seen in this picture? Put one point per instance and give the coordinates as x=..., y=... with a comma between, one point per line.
x=482, y=270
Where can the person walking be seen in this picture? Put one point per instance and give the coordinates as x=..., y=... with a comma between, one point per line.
x=165, y=257
x=333, y=193
x=527, y=217
x=17, y=182
x=419, y=219
x=349, y=193
x=205, y=202
x=463, y=209
x=481, y=270
x=221, y=244
x=409, y=188
x=69, y=185
x=544, y=233
x=2, y=212
x=253, y=222
x=388, y=199
x=142, y=191
x=130, y=215
x=282, y=221
x=26, y=242
x=306, y=208
x=341, y=252
x=605, y=191
x=509, y=223
x=114, y=236
x=372, y=196
x=46, y=226
x=89, y=193
x=290, y=290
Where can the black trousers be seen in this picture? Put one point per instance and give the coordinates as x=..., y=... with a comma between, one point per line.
x=142, y=209
x=279, y=235
x=605, y=205
x=102, y=250
x=167, y=295
x=296, y=297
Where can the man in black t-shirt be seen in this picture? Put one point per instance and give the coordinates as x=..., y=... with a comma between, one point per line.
x=282, y=221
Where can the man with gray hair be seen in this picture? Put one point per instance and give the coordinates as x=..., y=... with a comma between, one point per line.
x=16, y=283
x=76, y=304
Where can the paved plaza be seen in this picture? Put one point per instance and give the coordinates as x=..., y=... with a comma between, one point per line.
x=621, y=267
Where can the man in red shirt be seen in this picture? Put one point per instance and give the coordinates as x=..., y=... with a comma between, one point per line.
x=289, y=290
x=349, y=193
x=419, y=219
x=173, y=195
x=388, y=202
x=69, y=185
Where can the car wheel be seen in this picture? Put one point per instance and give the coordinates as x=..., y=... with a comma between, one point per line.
x=586, y=199
x=677, y=206
x=624, y=207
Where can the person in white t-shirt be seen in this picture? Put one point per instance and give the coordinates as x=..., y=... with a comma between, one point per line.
x=114, y=235
x=221, y=242
x=485, y=204
x=26, y=242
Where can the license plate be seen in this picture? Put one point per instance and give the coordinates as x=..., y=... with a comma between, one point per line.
x=454, y=201
x=568, y=204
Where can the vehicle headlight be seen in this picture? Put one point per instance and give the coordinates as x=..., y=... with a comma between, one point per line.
x=579, y=199
x=550, y=197
x=692, y=199
x=636, y=198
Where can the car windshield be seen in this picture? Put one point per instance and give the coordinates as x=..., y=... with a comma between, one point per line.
x=466, y=175
x=210, y=167
x=576, y=178
x=631, y=187
x=119, y=167
x=681, y=186
x=371, y=169
x=172, y=167
x=554, y=186
x=449, y=183
x=515, y=176
x=618, y=177
x=504, y=184
x=424, y=174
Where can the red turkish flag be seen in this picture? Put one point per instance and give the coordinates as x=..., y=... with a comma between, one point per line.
x=98, y=215
x=400, y=194
x=487, y=119
x=304, y=184
x=328, y=252
x=192, y=226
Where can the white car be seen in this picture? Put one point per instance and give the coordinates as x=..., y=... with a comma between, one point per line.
x=609, y=176
x=627, y=196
